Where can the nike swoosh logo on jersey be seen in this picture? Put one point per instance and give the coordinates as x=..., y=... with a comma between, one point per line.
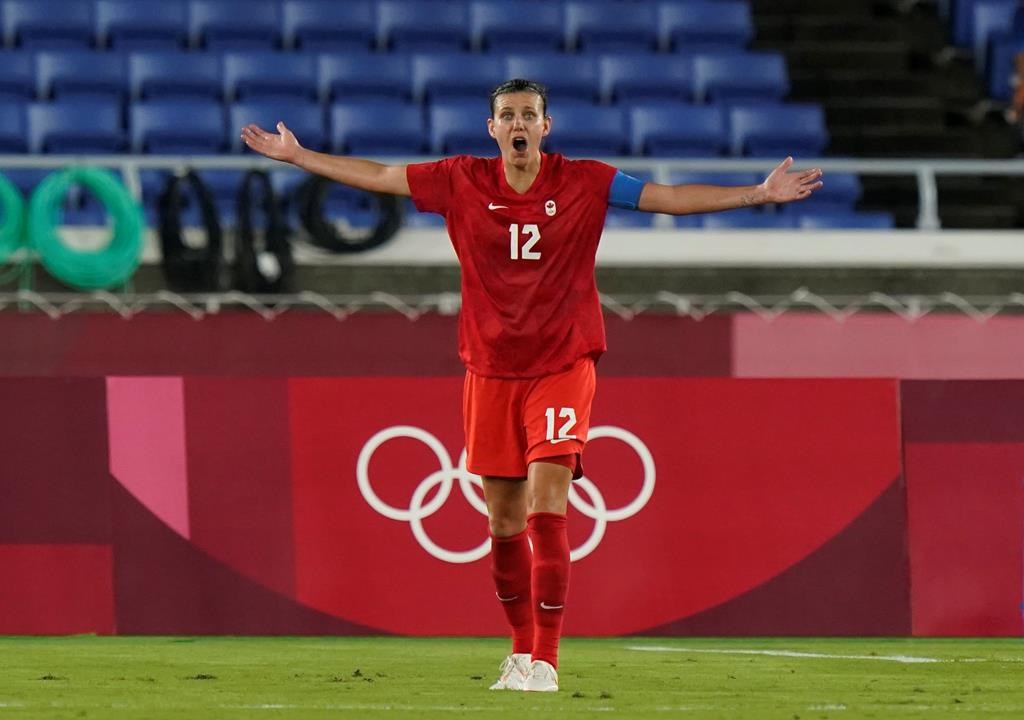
x=501, y=599
x=545, y=606
x=492, y=206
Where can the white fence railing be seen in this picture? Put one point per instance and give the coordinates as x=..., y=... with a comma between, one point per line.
x=924, y=170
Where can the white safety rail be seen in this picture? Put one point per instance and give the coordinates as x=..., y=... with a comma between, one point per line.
x=926, y=246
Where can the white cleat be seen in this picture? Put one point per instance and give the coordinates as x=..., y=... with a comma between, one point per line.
x=513, y=672
x=541, y=678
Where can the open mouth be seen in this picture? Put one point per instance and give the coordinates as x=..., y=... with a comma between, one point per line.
x=519, y=144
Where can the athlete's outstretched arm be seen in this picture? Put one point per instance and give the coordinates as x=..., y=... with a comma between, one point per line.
x=358, y=173
x=780, y=186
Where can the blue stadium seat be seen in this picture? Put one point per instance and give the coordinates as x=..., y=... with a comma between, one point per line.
x=328, y=25
x=610, y=26
x=449, y=76
x=766, y=130
x=76, y=126
x=729, y=179
x=589, y=130
x=25, y=179
x=1001, y=68
x=169, y=127
x=224, y=185
x=48, y=24
x=352, y=76
x=740, y=76
x=963, y=21
x=846, y=221
x=422, y=25
x=678, y=130
x=688, y=221
x=235, y=24
x=746, y=219
x=305, y=118
x=285, y=184
x=377, y=127
x=17, y=75
x=460, y=127
x=497, y=26
x=629, y=78
x=567, y=77
x=619, y=218
x=265, y=75
x=993, y=20
x=13, y=134
x=81, y=73
x=132, y=25
x=703, y=25
x=165, y=75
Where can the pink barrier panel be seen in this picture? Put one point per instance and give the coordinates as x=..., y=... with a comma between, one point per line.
x=710, y=506
x=878, y=345
x=704, y=492
x=300, y=343
x=241, y=343
x=964, y=460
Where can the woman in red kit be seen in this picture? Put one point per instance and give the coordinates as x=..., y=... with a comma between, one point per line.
x=525, y=226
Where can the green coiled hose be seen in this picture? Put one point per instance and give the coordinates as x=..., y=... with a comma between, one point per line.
x=12, y=217
x=105, y=268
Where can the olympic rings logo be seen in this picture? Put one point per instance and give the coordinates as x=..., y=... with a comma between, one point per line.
x=593, y=506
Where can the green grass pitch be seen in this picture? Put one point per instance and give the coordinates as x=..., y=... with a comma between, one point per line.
x=790, y=678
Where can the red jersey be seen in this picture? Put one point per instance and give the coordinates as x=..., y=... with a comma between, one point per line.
x=529, y=300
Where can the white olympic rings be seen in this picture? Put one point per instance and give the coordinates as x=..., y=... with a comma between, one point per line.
x=593, y=506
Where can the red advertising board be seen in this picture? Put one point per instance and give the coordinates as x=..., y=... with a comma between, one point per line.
x=696, y=492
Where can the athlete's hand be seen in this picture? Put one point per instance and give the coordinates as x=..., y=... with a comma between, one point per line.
x=282, y=146
x=783, y=186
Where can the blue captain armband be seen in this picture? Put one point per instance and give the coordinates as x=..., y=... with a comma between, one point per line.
x=625, y=191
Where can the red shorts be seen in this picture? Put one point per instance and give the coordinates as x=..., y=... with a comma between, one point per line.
x=510, y=423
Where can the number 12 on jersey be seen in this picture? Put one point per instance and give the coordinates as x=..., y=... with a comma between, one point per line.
x=522, y=244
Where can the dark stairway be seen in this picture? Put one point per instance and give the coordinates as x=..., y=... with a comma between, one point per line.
x=892, y=88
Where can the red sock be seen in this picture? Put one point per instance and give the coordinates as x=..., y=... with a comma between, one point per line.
x=511, y=561
x=550, y=581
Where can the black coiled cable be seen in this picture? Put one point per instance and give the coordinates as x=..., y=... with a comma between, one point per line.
x=263, y=265
x=190, y=269
x=310, y=197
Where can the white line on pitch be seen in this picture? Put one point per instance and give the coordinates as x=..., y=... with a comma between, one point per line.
x=790, y=654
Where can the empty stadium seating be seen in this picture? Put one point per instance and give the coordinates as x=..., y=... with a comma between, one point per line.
x=132, y=25
x=235, y=24
x=766, y=130
x=315, y=25
x=678, y=130
x=48, y=24
x=657, y=78
x=268, y=75
x=643, y=77
x=376, y=127
x=63, y=74
x=607, y=26
x=166, y=127
x=422, y=25
x=166, y=75
x=703, y=25
x=85, y=126
x=496, y=26
x=13, y=133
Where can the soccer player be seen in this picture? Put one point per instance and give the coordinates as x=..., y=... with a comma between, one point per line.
x=525, y=226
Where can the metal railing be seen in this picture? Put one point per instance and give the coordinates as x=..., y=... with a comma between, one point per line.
x=925, y=171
